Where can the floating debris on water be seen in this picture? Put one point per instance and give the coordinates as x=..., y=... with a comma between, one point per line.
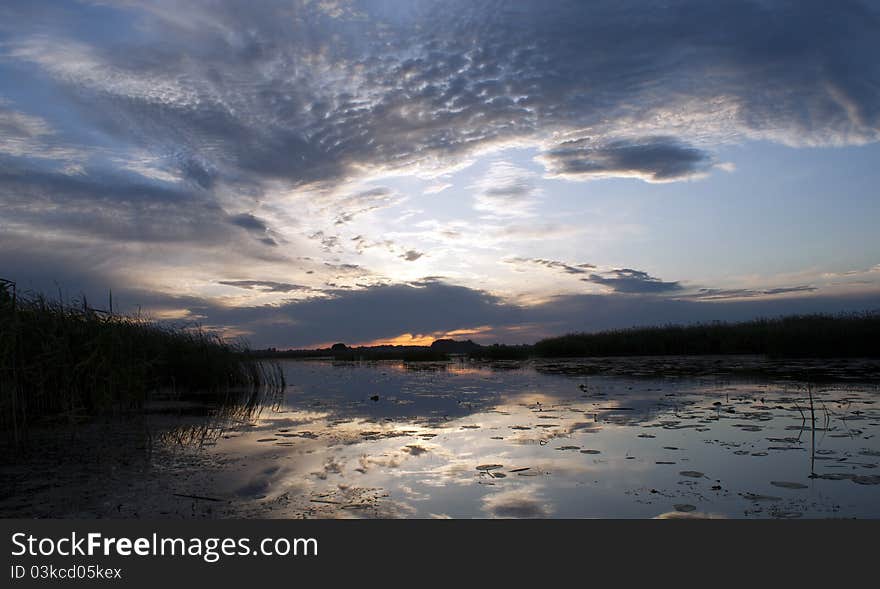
x=757, y=497
x=788, y=485
x=694, y=474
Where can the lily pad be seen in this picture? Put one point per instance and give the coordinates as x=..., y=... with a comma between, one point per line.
x=788, y=485
x=694, y=474
x=756, y=497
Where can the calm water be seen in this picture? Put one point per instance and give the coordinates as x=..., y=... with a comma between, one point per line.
x=519, y=440
x=461, y=440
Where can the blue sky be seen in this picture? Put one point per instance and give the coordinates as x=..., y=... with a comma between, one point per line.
x=302, y=172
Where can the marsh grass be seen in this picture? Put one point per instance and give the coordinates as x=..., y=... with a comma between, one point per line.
x=72, y=361
x=795, y=336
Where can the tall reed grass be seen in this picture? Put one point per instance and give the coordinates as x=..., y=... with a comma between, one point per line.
x=71, y=359
x=816, y=336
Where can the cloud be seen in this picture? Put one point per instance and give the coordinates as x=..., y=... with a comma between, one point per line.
x=629, y=281
x=741, y=293
x=265, y=285
x=28, y=136
x=506, y=191
x=206, y=136
x=349, y=206
x=412, y=255
x=555, y=265
x=436, y=188
x=329, y=243
x=284, y=92
x=255, y=226
x=523, y=502
x=384, y=311
x=654, y=159
x=371, y=313
x=121, y=207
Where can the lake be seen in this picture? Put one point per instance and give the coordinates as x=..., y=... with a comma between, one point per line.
x=463, y=440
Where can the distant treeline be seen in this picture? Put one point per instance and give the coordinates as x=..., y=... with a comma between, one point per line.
x=342, y=352
x=72, y=359
x=848, y=335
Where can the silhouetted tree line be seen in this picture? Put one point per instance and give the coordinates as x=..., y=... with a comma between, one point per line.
x=846, y=335
x=341, y=352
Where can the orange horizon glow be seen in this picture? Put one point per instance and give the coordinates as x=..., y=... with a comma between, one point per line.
x=424, y=339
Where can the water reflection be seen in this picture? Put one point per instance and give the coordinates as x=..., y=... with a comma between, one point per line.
x=459, y=440
x=546, y=439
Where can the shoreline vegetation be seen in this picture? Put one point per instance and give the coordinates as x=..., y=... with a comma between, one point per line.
x=71, y=361
x=852, y=335
x=65, y=362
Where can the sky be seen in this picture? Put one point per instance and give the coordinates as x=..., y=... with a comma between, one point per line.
x=304, y=172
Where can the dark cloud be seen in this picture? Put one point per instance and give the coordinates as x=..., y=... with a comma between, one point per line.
x=41, y=265
x=555, y=265
x=248, y=95
x=429, y=306
x=412, y=255
x=741, y=293
x=168, y=121
x=254, y=225
x=235, y=99
x=657, y=159
x=265, y=285
x=249, y=222
x=344, y=267
x=626, y=280
x=113, y=206
x=370, y=313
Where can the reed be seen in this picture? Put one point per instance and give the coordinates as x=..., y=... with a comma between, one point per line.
x=817, y=336
x=73, y=360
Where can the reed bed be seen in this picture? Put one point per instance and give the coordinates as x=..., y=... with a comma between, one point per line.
x=73, y=360
x=794, y=336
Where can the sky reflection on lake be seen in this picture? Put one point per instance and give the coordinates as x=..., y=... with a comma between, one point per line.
x=462, y=440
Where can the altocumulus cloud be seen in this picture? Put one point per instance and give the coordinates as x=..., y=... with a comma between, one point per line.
x=296, y=92
x=627, y=280
x=171, y=125
x=655, y=159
